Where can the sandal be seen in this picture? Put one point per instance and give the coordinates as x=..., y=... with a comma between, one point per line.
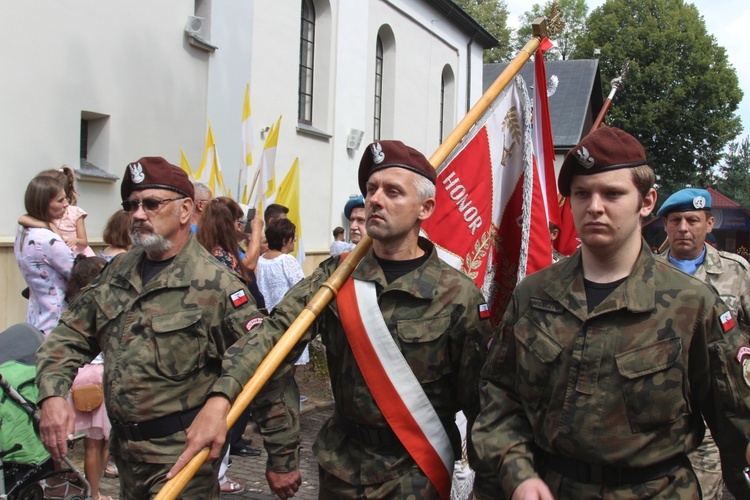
x=111, y=471
x=231, y=488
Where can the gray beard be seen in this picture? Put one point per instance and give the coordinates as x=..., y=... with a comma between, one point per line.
x=151, y=242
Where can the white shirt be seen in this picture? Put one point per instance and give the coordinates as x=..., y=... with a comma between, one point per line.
x=276, y=276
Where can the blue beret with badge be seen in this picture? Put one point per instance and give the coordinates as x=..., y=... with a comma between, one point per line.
x=358, y=202
x=686, y=200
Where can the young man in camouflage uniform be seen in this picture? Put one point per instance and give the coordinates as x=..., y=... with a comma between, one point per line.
x=604, y=363
x=432, y=312
x=688, y=220
x=162, y=314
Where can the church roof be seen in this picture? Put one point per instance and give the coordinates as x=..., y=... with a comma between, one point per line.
x=579, y=85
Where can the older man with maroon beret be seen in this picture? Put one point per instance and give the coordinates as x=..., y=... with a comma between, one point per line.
x=404, y=341
x=162, y=314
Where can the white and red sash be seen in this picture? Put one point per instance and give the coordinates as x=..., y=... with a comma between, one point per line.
x=392, y=383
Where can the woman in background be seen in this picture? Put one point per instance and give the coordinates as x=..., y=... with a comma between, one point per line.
x=45, y=260
x=278, y=271
x=71, y=226
x=116, y=235
x=240, y=219
x=217, y=234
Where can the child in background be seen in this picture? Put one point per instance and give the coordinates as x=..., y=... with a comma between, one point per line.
x=94, y=424
x=70, y=227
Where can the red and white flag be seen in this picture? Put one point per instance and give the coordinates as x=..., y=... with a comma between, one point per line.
x=544, y=150
x=567, y=241
x=487, y=212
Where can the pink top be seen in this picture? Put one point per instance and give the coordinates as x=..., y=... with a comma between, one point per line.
x=67, y=226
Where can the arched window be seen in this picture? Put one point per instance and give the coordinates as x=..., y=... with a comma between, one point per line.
x=306, y=62
x=377, y=114
x=447, y=102
x=442, y=107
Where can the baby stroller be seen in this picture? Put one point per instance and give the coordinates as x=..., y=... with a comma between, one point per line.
x=24, y=463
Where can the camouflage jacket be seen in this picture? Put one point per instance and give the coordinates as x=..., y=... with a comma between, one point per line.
x=162, y=343
x=730, y=275
x=624, y=385
x=433, y=315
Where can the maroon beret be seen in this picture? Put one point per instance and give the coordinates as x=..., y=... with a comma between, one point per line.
x=154, y=172
x=387, y=154
x=606, y=148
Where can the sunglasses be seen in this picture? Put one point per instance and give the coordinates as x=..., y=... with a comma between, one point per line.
x=148, y=204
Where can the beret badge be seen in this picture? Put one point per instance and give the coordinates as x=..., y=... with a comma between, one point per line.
x=584, y=159
x=136, y=173
x=377, y=153
x=699, y=202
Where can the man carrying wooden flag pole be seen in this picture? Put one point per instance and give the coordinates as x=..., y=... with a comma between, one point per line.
x=405, y=340
x=201, y=435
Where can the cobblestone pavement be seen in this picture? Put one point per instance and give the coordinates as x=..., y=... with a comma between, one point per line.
x=250, y=471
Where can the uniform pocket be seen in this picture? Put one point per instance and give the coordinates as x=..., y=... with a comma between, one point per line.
x=109, y=304
x=654, y=386
x=424, y=344
x=536, y=352
x=179, y=342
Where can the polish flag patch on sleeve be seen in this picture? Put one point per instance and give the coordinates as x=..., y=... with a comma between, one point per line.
x=727, y=321
x=484, y=311
x=238, y=298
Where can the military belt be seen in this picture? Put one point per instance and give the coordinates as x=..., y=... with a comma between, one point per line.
x=157, y=428
x=375, y=436
x=609, y=475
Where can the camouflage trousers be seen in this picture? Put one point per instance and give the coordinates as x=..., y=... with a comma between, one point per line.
x=140, y=480
x=707, y=466
x=411, y=486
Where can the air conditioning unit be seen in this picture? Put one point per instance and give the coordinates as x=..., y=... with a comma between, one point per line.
x=196, y=32
x=194, y=25
x=354, y=139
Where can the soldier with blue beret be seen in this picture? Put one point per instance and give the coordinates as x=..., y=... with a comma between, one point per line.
x=162, y=314
x=356, y=202
x=688, y=222
x=354, y=210
x=604, y=363
x=686, y=200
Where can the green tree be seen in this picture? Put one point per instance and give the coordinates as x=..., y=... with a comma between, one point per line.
x=735, y=173
x=681, y=94
x=493, y=16
x=572, y=23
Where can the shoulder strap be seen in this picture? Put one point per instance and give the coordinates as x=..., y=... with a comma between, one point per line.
x=392, y=383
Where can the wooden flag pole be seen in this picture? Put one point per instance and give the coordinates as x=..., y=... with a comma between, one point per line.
x=330, y=287
x=252, y=188
x=617, y=84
